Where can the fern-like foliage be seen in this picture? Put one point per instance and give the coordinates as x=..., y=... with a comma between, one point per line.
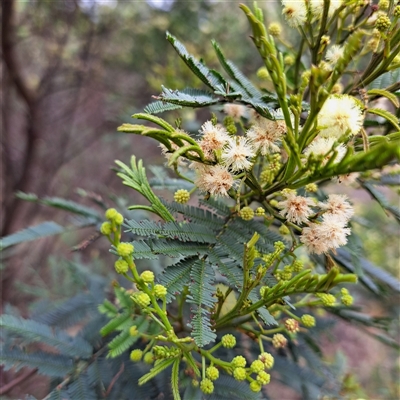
x=201, y=295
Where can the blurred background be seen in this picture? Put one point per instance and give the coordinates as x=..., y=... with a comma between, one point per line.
x=72, y=72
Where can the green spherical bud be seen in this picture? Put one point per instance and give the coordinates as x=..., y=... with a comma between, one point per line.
x=344, y=291
x=111, y=213
x=347, y=300
x=286, y=275
x=260, y=212
x=228, y=341
x=246, y=213
x=279, y=341
x=147, y=276
x=195, y=383
x=325, y=40
x=142, y=299
x=383, y=4
x=298, y=266
x=263, y=291
x=382, y=23
x=119, y=219
x=292, y=325
x=125, y=249
x=239, y=374
x=257, y=366
x=279, y=247
x=106, y=228
x=239, y=361
x=396, y=11
x=284, y=230
x=328, y=300
x=274, y=29
x=136, y=355
x=160, y=291
x=263, y=377
x=274, y=203
x=311, y=187
x=255, y=386
x=262, y=73
x=289, y=60
x=182, y=196
x=267, y=359
x=121, y=266
x=212, y=373
x=148, y=358
x=133, y=330
x=206, y=386
x=308, y=320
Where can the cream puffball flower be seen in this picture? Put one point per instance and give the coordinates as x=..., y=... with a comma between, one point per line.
x=337, y=205
x=334, y=54
x=340, y=114
x=236, y=111
x=265, y=134
x=214, y=138
x=317, y=7
x=330, y=234
x=296, y=208
x=322, y=147
x=237, y=154
x=295, y=12
x=215, y=179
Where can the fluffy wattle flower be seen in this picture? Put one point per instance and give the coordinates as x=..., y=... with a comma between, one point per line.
x=237, y=154
x=323, y=146
x=214, y=138
x=337, y=205
x=295, y=12
x=340, y=114
x=215, y=179
x=296, y=208
x=265, y=134
x=236, y=111
x=334, y=54
x=317, y=7
x=330, y=234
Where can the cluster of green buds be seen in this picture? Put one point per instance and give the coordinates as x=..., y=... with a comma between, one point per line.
x=113, y=223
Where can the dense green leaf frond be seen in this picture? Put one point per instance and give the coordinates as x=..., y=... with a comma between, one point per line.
x=202, y=296
x=199, y=69
x=174, y=248
x=195, y=214
x=69, y=313
x=81, y=389
x=188, y=97
x=262, y=311
x=157, y=107
x=176, y=276
x=227, y=267
x=218, y=206
x=143, y=250
x=120, y=322
x=175, y=230
x=36, y=332
x=227, y=388
x=53, y=365
x=45, y=229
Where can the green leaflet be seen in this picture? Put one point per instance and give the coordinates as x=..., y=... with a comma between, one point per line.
x=37, y=332
x=54, y=365
x=188, y=97
x=202, y=296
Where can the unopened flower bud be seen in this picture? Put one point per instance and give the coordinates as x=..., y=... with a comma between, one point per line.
x=212, y=373
x=308, y=320
x=328, y=300
x=267, y=359
x=383, y=4
x=125, y=249
x=284, y=230
x=263, y=73
x=206, y=386
x=239, y=374
x=106, y=228
x=292, y=325
x=133, y=331
x=279, y=341
x=255, y=386
x=147, y=276
x=257, y=366
x=263, y=377
x=347, y=300
x=111, y=213
x=396, y=11
x=228, y=341
x=119, y=219
x=182, y=196
x=246, y=213
x=239, y=361
x=382, y=23
x=136, y=355
x=142, y=299
x=160, y=291
x=274, y=29
x=311, y=187
x=148, y=358
x=260, y=212
x=121, y=266
x=289, y=60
